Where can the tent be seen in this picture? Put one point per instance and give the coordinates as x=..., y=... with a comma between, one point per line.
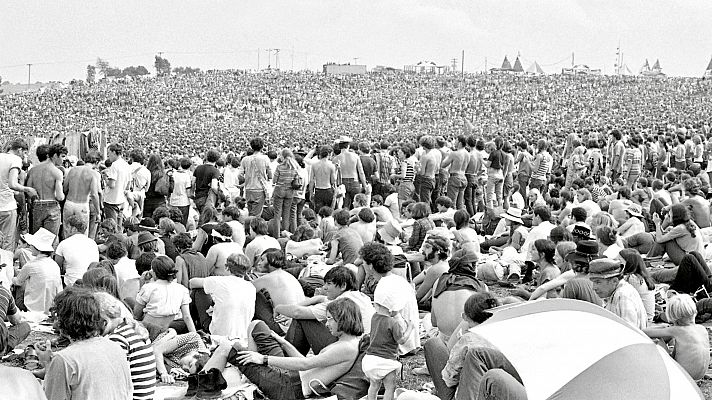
x=708, y=71
x=506, y=66
x=517, y=66
x=535, y=69
x=571, y=349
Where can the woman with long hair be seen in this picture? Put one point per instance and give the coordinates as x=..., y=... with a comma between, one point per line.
x=684, y=237
x=284, y=177
x=154, y=199
x=637, y=275
x=208, y=220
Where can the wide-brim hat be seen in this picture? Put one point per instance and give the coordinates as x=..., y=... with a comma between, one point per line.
x=635, y=210
x=604, y=268
x=513, y=214
x=390, y=232
x=146, y=237
x=41, y=240
x=586, y=250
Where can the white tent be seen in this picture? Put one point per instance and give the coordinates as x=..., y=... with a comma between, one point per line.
x=535, y=69
x=571, y=349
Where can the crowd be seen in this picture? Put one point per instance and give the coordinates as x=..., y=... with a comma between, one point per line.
x=308, y=267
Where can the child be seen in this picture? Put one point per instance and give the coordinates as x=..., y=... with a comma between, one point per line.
x=691, y=347
x=379, y=363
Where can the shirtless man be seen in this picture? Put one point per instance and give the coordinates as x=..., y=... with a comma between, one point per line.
x=441, y=174
x=352, y=175
x=475, y=172
x=323, y=179
x=47, y=179
x=81, y=188
x=429, y=164
x=458, y=161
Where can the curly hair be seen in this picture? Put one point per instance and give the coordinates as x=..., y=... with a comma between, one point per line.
x=347, y=316
x=378, y=255
x=476, y=305
x=78, y=314
x=275, y=258
x=182, y=241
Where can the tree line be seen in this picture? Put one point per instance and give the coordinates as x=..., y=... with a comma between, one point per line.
x=161, y=65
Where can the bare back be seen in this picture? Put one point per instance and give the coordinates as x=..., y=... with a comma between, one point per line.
x=460, y=159
x=283, y=287
x=80, y=182
x=342, y=349
x=44, y=178
x=692, y=349
x=428, y=165
x=323, y=172
x=348, y=163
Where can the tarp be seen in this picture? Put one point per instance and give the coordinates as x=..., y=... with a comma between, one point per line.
x=517, y=66
x=570, y=349
x=535, y=69
x=506, y=66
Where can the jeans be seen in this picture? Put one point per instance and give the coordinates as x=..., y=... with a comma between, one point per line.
x=113, y=211
x=469, y=194
x=264, y=311
x=456, y=186
x=276, y=383
x=295, y=214
x=475, y=374
x=436, y=356
x=506, y=189
x=498, y=384
x=643, y=242
x=8, y=230
x=424, y=186
x=671, y=248
x=255, y=202
x=282, y=203
x=46, y=214
x=307, y=334
x=322, y=198
x=405, y=191
x=353, y=188
x=494, y=190
x=16, y=334
x=523, y=180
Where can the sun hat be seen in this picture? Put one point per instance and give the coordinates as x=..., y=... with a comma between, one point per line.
x=635, y=210
x=41, y=240
x=146, y=237
x=581, y=232
x=604, y=268
x=390, y=232
x=586, y=250
x=389, y=294
x=344, y=139
x=513, y=214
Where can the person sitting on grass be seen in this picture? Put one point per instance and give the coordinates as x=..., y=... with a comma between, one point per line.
x=691, y=342
x=380, y=363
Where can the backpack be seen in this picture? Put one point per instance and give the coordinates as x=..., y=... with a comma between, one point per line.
x=163, y=185
x=297, y=182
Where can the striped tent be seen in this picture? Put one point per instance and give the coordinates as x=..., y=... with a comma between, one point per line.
x=570, y=349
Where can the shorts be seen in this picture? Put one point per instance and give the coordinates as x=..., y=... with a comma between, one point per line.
x=376, y=368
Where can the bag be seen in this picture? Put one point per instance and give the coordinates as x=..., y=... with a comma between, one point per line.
x=297, y=182
x=163, y=185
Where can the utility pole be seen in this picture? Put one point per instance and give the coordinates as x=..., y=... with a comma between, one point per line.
x=462, y=64
x=258, y=59
x=453, y=63
x=356, y=60
x=29, y=74
x=292, y=58
x=276, y=58
x=572, y=58
x=160, y=54
x=269, y=58
x=485, y=64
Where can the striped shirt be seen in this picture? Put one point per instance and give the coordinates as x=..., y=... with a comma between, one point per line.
x=542, y=166
x=142, y=363
x=409, y=171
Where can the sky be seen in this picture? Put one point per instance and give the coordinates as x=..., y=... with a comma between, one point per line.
x=60, y=38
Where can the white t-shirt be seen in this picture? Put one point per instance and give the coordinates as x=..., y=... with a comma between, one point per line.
x=258, y=245
x=127, y=277
x=120, y=171
x=7, y=197
x=391, y=202
x=234, y=305
x=78, y=252
x=238, y=232
x=362, y=301
x=397, y=286
x=162, y=298
x=182, y=180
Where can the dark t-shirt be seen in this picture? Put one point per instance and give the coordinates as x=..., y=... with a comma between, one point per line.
x=495, y=159
x=385, y=333
x=369, y=166
x=204, y=175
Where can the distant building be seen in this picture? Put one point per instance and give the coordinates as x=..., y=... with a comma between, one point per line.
x=507, y=68
x=708, y=71
x=344, y=69
x=580, y=69
x=427, y=67
x=384, y=69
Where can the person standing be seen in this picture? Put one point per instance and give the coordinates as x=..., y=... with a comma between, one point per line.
x=284, y=178
x=352, y=175
x=10, y=167
x=429, y=165
x=47, y=179
x=524, y=167
x=615, y=166
x=541, y=167
x=206, y=180
x=475, y=172
x=81, y=189
x=322, y=180
x=457, y=160
x=495, y=176
x=182, y=184
x=118, y=180
x=140, y=177
x=384, y=168
x=256, y=171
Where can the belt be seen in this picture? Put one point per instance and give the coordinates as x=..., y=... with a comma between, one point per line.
x=46, y=202
x=348, y=179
